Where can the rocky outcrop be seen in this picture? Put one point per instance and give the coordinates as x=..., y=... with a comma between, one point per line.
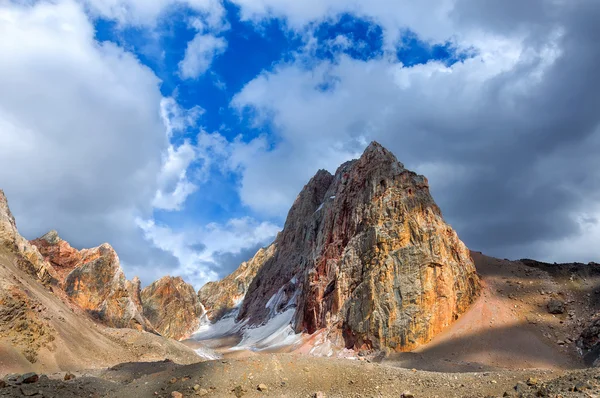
x=173, y=308
x=366, y=258
x=28, y=257
x=223, y=296
x=94, y=280
x=589, y=342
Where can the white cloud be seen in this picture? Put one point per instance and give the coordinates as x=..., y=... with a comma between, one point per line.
x=174, y=185
x=81, y=136
x=146, y=13
x=199, y=55
x=175, y=118
x=196, y=249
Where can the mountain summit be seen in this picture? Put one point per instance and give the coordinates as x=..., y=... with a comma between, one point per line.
x=365, y=259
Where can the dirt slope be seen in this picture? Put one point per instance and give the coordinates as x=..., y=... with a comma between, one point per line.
x=509, y=326
x=41, y=332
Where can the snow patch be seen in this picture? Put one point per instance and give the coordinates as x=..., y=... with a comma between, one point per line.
x=226, y=326
x=208, y=354
x=277, y=332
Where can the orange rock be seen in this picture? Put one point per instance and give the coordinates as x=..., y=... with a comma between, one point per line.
x=221, y=297
x=366, y=257
x=172, y=306
x=94, y=280
x=29, y=258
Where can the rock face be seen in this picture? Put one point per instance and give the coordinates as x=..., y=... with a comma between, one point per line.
x=589, y=342
x=221, y=297
x=29, y=257
x=366, y=258
x=173, y=308
x=94, y=280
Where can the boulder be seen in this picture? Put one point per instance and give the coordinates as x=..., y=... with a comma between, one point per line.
x=556, y=306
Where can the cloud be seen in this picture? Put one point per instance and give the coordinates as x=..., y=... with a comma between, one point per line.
x=199, y=55
x=146, y=13
x=199, y=250
x=81, y=136
x=507, y=137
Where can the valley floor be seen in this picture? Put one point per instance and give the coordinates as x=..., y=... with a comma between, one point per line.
x=507, y=344
x=289, y=375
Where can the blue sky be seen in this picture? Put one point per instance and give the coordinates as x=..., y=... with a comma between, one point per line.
x=181, y=131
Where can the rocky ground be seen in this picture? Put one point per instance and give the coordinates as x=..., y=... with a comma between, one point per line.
x=508, y=344
x=289, y=375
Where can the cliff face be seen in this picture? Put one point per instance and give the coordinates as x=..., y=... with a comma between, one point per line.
x=172, y=306
x=221, y=297
x=366, y=257
x=29, y=258
x=94, y=280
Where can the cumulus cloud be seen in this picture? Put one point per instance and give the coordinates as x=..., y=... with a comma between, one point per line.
x=199, y=249
x=199, y=55
x=513, y=128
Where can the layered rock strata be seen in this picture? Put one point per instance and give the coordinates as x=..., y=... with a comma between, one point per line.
x=95, y=281
x=173, y=308
x=366, y=258
x=221, y=297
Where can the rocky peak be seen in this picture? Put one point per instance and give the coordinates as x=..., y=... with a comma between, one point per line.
x=366, y=258
x=94, y=280
x=51, y=237
x=222, y=297
x=29, y=259
x=172, y=306
x=59, y=253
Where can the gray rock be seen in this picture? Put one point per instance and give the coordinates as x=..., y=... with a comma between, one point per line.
x=556, y=306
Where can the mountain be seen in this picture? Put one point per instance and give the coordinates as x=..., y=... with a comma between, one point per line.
x=221, y=297
x=95, y=281
x=42, y=329
x=172, y=306
x=365, y=260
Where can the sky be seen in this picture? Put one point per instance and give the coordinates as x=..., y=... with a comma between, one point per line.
x=181, y=131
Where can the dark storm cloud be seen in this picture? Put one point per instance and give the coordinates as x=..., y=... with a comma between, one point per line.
x=538, y=147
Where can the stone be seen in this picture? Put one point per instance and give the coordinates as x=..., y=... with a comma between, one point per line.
x=30, y=391
x=407, y=394
x=556, y=306
x=219, y=298
x=521, y=387
x=582, y=386
x=262, y=388
x=94, y=280
x=173, y=307
x=173, y=380
x=365, y=257
x=176, y=394
x=28, y=378
x=69, y=376
x=238, y=391
x=196, y=387
x=532, y=381
x=2, y=384
x=589, y=342
x=202, y=392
